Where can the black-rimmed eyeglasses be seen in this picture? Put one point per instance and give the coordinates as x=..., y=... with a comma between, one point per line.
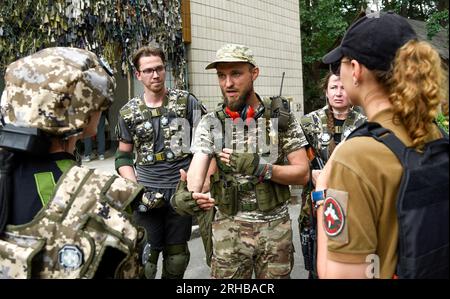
x=151, y=71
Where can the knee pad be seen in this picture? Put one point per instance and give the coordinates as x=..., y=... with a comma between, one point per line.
x=150, y=254
x=150, y=270
x=150, y=261
x=176, y=259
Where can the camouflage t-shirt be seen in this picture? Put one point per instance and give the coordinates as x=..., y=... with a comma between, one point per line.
x=208, y=140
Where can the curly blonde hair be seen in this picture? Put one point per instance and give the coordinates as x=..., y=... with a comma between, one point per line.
x=416, y=87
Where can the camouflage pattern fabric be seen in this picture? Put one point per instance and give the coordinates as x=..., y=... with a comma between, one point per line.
x=68, y=237
x=235, y=243
x=210, y=141
x=233, y=53
x=314, y=126
x=137, y=117
x=56, y=89
x=183, y=203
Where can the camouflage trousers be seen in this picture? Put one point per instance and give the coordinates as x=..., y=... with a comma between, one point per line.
x=241, y=247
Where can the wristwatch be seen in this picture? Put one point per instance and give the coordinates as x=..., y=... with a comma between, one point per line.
x=318, y=197
x=268, y=174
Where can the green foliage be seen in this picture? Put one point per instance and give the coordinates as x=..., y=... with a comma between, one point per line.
x=442, y=121
x=323, y=23
x=437, y=22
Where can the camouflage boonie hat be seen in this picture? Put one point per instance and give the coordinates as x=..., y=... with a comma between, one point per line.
x=56, y=89
x=233, y=53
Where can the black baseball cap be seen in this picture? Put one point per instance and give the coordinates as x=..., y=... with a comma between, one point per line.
x=373, y=40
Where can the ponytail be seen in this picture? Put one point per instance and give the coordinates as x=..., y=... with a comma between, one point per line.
x=330, y=127
x=416, y=88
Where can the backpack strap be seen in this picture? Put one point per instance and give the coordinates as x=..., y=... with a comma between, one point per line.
x=383, y=135
x=45, y=181
x=220, y=113
x=6, y=185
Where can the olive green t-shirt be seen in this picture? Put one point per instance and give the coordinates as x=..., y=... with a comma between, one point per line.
x=368, y=175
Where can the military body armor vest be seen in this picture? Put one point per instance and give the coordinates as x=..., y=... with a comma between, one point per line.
x=73, y=235
x=138, y=116
x=319, y=136
x=225, y=187
x=422, y=204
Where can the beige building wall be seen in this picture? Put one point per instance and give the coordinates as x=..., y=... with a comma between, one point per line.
x=271, y=28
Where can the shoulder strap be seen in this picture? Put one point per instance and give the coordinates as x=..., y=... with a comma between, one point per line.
x=322, y=114
x=381, y=134
x=45, y=181
x=6, y=166
x=351, y=117
x=396, y=146
x=221, y=115
x=177, y=98
x=136, y=109
x=389, y=139
x=367, y=129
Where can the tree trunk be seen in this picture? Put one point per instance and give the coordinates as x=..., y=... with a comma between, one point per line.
x=316, y=71
x=404, y=8
x=442, y=5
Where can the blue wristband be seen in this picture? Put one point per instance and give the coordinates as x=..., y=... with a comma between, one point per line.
x=318, y=195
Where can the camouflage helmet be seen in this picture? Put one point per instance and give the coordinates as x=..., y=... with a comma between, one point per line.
x=55, y=90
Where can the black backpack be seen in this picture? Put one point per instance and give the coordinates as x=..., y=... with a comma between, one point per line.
x=422, y=204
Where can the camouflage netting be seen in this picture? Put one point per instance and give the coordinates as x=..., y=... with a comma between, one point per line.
x=112, y=28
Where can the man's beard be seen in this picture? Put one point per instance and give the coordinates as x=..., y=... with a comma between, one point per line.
x=238, y=104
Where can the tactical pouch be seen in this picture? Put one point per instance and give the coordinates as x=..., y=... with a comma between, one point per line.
x=265, y=197
x=21, y=250
x=225, y=192
x=270, y=195
x=150, y=200
x=282, y=193
x=205, y=220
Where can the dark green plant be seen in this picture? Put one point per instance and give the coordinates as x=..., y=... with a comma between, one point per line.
x=442, y=121
x=437, y=22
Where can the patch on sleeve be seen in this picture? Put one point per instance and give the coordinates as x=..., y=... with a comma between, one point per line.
x=335, y=215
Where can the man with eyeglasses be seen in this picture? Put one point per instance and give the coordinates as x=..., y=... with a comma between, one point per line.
x=149, y=124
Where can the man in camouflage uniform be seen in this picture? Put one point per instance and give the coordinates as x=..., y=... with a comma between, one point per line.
x=324, y=129
x=58, y=220
x=156, y=124
x=251, y=232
